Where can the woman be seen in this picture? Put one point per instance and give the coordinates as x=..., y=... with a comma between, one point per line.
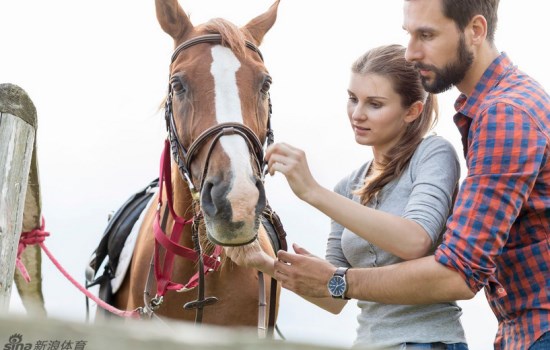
x=391, y=209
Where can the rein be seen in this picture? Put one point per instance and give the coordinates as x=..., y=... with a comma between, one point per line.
x=183, y=158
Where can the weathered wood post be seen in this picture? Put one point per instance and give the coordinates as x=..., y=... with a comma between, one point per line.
x=20, y=204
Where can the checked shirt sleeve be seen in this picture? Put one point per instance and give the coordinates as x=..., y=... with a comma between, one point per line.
x=505, y=152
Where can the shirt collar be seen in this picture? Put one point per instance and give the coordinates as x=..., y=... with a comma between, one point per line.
x=468, y=106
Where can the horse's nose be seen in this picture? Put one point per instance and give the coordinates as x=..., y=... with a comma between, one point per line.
x=231, y=210
x=214, y=200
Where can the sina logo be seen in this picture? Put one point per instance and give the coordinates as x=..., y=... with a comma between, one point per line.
x=15, y=343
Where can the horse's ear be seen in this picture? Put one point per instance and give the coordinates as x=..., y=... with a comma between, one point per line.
x=258, y=26
x=173, y=20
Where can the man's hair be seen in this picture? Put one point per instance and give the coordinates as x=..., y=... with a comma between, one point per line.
x=462, y=11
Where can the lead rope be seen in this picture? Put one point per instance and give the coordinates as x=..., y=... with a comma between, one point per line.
x=37, y=236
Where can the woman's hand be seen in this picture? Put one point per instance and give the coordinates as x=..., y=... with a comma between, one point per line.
x=304, y=273
x=292, y=163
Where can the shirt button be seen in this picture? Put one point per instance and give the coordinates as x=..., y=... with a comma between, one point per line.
x=500, y=291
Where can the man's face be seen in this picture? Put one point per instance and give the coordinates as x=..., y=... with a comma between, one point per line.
x=436, y=46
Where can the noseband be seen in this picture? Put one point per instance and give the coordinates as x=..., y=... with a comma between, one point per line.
x=216, y=132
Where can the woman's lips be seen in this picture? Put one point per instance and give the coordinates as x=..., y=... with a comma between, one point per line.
x=360, y=130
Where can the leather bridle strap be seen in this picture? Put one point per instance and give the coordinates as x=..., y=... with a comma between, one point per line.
x=177, y=147
x=212, y=39
x=272, y=308
x=262, y=305
x=225, y=129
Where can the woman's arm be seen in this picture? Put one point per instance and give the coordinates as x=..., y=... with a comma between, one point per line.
x=400, y=236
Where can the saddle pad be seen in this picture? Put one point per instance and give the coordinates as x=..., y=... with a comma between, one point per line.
x=128, y=249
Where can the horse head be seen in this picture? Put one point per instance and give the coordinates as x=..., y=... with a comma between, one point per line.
x=218, y=112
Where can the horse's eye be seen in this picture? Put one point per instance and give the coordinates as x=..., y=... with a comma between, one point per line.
x=177, y=86
x=266, y=85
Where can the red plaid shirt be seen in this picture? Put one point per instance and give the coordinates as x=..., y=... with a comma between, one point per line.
x=498, y=236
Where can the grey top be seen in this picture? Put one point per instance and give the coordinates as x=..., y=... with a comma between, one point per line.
x=423, y=193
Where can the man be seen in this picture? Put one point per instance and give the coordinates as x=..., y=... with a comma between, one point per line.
x=498, y=236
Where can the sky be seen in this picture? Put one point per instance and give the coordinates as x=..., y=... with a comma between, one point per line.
x=97, y=72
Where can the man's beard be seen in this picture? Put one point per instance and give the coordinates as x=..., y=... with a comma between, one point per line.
x=451, y=74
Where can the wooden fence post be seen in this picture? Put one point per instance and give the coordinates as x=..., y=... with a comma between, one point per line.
x=19, y=192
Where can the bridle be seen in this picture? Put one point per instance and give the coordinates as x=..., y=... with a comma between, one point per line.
x=182, y=156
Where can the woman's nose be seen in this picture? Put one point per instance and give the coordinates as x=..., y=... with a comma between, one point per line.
x=358, y=113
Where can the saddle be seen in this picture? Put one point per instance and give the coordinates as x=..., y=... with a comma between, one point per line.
x=118, y=229
x=120, y=226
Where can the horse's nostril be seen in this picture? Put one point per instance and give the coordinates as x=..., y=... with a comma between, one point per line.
x=207, y=204
x=214, y=199
x=261, y=198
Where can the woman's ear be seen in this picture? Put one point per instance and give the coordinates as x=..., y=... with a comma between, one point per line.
x=414, y=111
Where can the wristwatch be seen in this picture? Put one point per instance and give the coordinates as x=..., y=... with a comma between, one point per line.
x=337, y=285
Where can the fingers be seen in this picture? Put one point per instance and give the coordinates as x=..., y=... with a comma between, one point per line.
x=286, y=257
x=302, y=274
x=283, y=265
x=300, y=250
x=276, y=163
x=280, y=148
x=280, y=156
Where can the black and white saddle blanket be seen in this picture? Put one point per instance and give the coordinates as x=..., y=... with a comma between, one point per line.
x=116, y=247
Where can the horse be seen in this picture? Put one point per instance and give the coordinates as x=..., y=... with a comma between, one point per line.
x=211, y=193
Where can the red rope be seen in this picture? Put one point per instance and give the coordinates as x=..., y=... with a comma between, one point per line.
x=37, y=236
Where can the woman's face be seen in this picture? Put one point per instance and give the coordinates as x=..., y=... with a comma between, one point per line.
x=375, y=112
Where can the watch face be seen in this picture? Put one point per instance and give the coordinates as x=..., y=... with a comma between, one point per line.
x=337, y=286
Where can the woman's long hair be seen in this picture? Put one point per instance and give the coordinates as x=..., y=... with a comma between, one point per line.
x=389, y=61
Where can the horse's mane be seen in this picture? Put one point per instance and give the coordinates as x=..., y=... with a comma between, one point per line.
x=232, y=37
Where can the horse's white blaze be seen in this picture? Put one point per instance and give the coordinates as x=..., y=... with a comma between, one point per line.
x=243, y=195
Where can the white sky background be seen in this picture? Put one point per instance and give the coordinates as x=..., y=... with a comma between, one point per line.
x=98, y=70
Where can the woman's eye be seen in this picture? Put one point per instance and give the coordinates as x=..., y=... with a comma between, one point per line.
x=376, y=105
